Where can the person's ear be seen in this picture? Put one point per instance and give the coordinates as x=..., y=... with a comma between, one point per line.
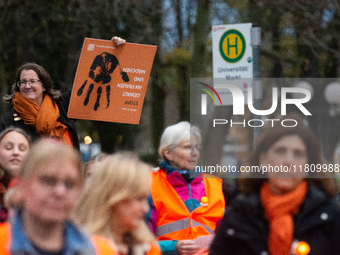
x=168, y=154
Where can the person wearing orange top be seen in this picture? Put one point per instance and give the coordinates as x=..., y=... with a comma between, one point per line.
x=114, y=202
x=48, y=186
x=283, y=212
x=14, y=146
x=39, y=109
x=185, y=204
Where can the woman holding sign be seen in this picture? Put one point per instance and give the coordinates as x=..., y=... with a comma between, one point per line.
x=283, y=212
x=38, y=109
x=184, y=205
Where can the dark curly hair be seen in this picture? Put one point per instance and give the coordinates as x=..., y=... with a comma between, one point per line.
x=43, y=76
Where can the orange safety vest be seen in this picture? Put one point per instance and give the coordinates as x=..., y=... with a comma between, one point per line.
x=102, y=246
x=174, y=221
x=154, y=250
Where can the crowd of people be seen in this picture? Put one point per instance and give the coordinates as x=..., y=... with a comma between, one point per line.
x=54, y=204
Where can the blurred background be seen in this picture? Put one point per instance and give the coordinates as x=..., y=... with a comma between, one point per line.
x=299, y=39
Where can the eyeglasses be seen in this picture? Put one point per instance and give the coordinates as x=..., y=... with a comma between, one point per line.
x=24, y=82
x=191, y=148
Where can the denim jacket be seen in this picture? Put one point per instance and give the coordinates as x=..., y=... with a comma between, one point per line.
x=76, y=242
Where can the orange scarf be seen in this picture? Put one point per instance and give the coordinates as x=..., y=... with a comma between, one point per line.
x=43, y=118
x=280, y=211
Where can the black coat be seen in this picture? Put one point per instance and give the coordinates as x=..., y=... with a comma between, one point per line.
x=10, y=118
x=244, y=229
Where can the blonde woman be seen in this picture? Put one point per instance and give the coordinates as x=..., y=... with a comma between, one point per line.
x=48, y=185
x=114, y=202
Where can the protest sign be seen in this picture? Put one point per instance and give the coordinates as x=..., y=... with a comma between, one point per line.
x=110, y=82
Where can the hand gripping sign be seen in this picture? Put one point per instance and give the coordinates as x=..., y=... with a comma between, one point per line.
x=111, y=82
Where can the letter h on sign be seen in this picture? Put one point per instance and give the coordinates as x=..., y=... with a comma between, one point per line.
x=232, y=45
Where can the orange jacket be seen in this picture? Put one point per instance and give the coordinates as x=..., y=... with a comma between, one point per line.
x=102, y=246
x=174, y=221
x=154, y=250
